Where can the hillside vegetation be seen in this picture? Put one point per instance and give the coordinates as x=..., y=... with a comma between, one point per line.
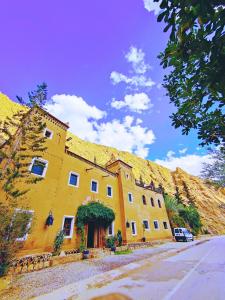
x=209, y=200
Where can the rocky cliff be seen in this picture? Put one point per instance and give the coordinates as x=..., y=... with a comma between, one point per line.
x=210, y=201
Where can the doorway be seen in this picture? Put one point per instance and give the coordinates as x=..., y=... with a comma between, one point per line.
x=95, y=236
x=91, y=235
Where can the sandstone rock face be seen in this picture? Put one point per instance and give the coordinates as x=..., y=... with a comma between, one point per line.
x=209, y=201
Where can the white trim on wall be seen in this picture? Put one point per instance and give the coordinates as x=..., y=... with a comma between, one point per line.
x=146, y=229
x=41, y=160
x=109, y=186
x=112, y=230
x=71, y=228
x=154, y=224
x=51, y=133
x=78, y=179
x=94, y=180
x=135, y=227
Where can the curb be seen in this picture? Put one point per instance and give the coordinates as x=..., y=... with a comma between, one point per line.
x=74, y=289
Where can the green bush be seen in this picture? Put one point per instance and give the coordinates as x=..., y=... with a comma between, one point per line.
x=178, y=221
x=119, y=238
x=111, y=241
x=192, y=217
x=14, y=225
x=58, y=242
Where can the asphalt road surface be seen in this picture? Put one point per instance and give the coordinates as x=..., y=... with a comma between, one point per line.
x=197, y=273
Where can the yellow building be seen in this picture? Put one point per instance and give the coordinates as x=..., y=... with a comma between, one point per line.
x=71, y=180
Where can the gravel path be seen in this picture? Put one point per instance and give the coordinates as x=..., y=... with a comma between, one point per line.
x=26, y=286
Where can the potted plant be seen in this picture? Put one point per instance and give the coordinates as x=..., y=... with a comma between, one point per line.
x=119, y=238
x=110, y=243
x=86, y=253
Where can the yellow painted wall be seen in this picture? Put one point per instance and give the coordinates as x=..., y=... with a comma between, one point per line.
x=54, y=194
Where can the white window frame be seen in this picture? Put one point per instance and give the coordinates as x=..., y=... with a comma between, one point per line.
x=132, y=199
x=51, y=136
x=18, y=210
x=93, y=180
x=112, y=230
x=78, y=179
x=127, y=176
x=146, y=229
x=41, y=160
x=71, y=228
x=154, y=225
x=109, y=186
x=166, y=224
x=135, y=226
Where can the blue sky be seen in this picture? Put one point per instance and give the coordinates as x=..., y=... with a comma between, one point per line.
x=99, y=59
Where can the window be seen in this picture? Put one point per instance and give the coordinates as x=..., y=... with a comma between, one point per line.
x=127, y=176
x=146, y=224
x=111, y=229
x=73, y=179
x=67, y=227
x=130, y=197
x=133, y=228
x=109, y=191
x=152, y=202
x=159, y=203
x=39, y=167
x=144, y=200
x=22, y=221
x=165, y=225
x=94, y=186
x=156, y=224
x=48, y=133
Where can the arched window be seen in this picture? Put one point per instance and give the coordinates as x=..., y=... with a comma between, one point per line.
x=144, y=200
x=159, y=203
x=152, y=202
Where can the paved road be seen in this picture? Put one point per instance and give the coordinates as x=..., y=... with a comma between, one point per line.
x=195, y=274
x=44, y=281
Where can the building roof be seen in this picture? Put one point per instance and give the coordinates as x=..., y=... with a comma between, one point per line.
x=121, y=161
x=54, y=118
x=90, y=162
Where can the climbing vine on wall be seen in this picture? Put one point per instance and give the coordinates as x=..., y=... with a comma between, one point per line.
x=94, y=212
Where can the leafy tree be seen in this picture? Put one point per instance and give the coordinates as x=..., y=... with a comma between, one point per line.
x=177, y=196
x=215, y=171
x=182, y=216
x=22, y=139
x=13, y=226
x=195, y=56
x=191, y=216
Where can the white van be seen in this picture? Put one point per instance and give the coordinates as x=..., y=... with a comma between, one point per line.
x=182, y=234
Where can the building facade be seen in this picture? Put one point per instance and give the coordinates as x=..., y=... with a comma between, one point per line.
x=70, y=180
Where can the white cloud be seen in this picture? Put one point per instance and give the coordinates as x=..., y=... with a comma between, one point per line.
x=78, y=113
x=137, y=58
x=152, y=6
x=136, y=102
x=139, y=68
x=88, y=123
x=135, y=81
x=183, y=151
x=191, y=163
x=125, y=136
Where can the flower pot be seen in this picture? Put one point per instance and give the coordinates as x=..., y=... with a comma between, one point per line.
x=113, y=248
x=86, y=254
